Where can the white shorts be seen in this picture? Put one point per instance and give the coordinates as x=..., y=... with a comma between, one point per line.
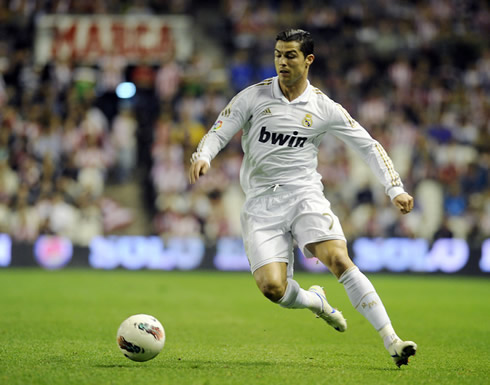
x=272, y=222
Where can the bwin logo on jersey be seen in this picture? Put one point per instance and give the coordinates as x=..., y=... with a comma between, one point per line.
x=281, y=139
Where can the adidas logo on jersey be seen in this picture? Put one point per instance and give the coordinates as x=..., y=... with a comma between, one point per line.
x=281, y=139
x=266, y=112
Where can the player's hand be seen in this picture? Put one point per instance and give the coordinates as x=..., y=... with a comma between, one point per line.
x=404, y=202
x=198, y=168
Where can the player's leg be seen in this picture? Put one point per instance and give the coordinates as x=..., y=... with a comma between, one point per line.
x=269, y=248
x=363, y=296
x=272, y=280
x=268, y=244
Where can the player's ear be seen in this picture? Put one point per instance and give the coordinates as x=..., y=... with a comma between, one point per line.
x=309, y=59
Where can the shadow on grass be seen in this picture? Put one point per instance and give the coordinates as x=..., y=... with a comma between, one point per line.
x=110, y=366
x=197, y=364
x=381, y=369
x=307, y=364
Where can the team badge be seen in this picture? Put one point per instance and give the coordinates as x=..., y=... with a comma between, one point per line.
x=307, y=120
x=217, y=125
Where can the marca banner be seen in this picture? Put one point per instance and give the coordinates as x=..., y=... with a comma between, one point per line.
x=136, y=37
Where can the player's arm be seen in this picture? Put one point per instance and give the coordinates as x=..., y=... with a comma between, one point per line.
x=344, y=127
x=230, y=121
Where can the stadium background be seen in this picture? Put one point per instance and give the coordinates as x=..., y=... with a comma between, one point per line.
x=88, y=177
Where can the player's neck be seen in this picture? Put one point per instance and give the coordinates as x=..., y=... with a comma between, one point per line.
x=293, y=91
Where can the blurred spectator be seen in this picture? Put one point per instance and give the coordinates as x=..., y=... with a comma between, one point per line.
x=192, y=128
x=173, y=218
x=24, y=221
x=112, y=67
x=9, y=181
x=123, y=138
x=89, y=222
x=241, y=71
x=217, y=222
x=455, y=202
x=168, y=80
x=62, y=216
x=190, y=107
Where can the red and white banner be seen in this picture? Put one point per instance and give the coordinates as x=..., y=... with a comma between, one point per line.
x=88, y=38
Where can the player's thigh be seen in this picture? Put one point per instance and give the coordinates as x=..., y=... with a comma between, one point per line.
x=265, y=236
x=314, y=221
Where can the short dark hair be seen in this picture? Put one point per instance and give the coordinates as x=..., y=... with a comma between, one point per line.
x=303, y=37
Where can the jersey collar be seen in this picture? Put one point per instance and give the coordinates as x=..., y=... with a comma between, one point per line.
x=277, y=93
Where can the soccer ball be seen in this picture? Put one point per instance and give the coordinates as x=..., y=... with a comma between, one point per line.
x=141, y=337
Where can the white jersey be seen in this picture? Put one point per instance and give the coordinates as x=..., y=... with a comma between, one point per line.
x=280, y=139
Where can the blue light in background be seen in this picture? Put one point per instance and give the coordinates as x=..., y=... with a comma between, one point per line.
x=125, y=90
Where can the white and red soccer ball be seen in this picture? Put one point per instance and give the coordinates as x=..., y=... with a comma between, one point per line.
x=141, y=337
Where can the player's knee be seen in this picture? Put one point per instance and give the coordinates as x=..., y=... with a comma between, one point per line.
x=273, y=290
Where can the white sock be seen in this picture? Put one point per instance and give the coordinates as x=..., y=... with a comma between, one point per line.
x=297, y=298
x=388, y=335
x=364, y=298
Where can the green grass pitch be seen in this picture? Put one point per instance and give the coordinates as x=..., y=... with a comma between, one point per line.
x=59, y=327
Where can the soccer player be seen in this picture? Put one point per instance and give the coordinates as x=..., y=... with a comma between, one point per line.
x=283, y=121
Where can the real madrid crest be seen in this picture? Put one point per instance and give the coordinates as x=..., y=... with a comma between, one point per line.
x=307, y=120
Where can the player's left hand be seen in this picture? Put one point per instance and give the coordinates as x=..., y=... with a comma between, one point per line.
x=404, y=202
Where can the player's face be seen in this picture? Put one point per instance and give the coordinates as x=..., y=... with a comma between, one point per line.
x=291, y=65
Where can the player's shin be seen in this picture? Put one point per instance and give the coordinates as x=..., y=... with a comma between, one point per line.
x=364, y=298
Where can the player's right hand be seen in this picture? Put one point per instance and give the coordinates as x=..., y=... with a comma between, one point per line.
x=198, y=168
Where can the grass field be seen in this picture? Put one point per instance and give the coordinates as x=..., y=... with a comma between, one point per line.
x=59, y=328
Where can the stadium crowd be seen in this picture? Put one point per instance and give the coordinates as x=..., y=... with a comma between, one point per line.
x=415, y=74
